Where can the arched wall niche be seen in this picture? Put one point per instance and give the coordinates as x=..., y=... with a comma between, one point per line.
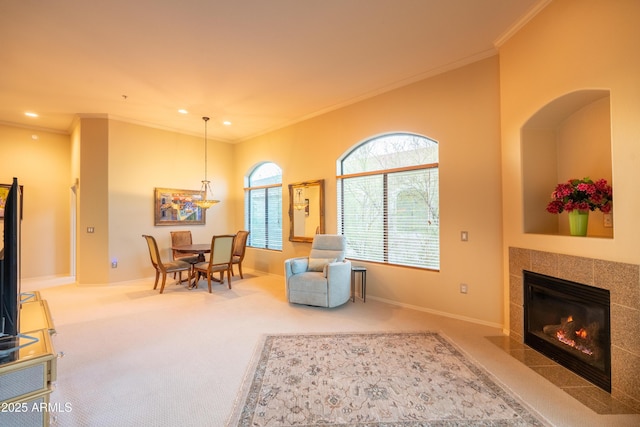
x=568, y=138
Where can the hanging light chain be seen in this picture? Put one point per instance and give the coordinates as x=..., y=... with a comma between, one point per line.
x=206, y=119
x=205, y=202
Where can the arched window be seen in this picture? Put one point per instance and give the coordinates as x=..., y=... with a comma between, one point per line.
x=263, y=206
x=388, y=200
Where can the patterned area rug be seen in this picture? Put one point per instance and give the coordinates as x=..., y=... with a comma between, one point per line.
x=380, y=379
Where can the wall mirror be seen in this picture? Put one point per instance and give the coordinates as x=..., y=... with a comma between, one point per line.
x=306, y=210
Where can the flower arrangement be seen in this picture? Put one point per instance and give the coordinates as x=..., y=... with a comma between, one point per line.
x=581, y=194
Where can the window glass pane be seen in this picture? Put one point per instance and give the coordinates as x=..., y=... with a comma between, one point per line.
x=274, y=218
x=265, y=174
x=414, y=218
x=257, y=218
x=389, y=152
x=362, y=222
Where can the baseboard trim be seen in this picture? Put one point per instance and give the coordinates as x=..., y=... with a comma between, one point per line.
x=37, y=283
x=438, y=313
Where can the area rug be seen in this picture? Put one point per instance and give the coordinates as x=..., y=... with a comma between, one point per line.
x=379, y=379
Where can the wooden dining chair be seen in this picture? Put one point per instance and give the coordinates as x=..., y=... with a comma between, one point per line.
x=164, y=267
x=179, y=238
x=239, y=248
x=219, y=260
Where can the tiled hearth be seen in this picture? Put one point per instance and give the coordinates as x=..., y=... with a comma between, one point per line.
x=623, y=282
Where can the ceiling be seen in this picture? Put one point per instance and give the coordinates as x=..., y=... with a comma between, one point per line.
x=261, y=64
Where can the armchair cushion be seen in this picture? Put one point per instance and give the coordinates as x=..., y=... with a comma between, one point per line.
x=328, y=246
x=299, y=265
x=319, y=264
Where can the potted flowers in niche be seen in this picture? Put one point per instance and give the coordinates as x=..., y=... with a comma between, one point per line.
x=578, y=197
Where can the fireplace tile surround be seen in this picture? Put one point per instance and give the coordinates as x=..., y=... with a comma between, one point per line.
x=623, y=282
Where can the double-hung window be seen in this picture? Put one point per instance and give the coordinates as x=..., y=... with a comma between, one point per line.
x=263, y=206
x=388, y=201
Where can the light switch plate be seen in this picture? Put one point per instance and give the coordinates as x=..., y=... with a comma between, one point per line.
x=464, y=236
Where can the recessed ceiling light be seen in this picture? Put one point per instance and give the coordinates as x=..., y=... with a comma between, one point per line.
x=226, y=123
x=183, y=111
x=30, y=114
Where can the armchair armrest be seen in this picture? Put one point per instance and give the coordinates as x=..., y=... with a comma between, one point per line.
x=339, y=272
x=338, y=283
x=295, y=266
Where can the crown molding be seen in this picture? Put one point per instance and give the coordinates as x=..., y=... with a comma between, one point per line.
x=516, y=26
x=33, y=128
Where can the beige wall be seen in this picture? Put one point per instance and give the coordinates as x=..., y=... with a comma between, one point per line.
x=92, y=201
x=42, y=167
x=141, y=159
x=575, y=45
x=459, y=109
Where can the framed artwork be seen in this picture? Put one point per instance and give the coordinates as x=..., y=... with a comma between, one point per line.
x=4, y=192
x=177, y=207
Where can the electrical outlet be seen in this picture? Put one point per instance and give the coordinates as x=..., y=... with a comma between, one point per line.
x=608, y=220
x=114, y=264
x=463, y=288
x=464, y=236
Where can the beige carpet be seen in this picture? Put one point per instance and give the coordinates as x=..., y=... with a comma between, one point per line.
x=378, y=379
x=134, y=357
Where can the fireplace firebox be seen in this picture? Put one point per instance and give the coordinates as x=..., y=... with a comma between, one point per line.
x=569, y=322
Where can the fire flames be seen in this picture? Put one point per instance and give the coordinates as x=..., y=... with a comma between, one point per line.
x=568, y=341
x=579, y=339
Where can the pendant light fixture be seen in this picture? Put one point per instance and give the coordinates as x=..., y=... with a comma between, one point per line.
x=299, y=204
x=206, y=195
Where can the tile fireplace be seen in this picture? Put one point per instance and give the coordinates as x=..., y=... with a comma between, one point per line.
x=621, y=280
x=570, y=323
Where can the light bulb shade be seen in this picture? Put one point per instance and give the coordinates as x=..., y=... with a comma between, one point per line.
x=206, y=204
x=205, y=201
x=299, y=204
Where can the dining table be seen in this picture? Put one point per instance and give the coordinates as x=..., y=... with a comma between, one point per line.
x=195, y=248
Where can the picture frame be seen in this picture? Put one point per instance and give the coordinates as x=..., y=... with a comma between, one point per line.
x=176, y=207
x=4, y=192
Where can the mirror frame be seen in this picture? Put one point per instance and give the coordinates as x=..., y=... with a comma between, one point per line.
x=292, y=187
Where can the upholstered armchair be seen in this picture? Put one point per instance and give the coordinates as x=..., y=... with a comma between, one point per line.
x=324, y=277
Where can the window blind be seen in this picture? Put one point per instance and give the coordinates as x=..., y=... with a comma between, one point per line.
x=392, y=217
x=263, y=217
